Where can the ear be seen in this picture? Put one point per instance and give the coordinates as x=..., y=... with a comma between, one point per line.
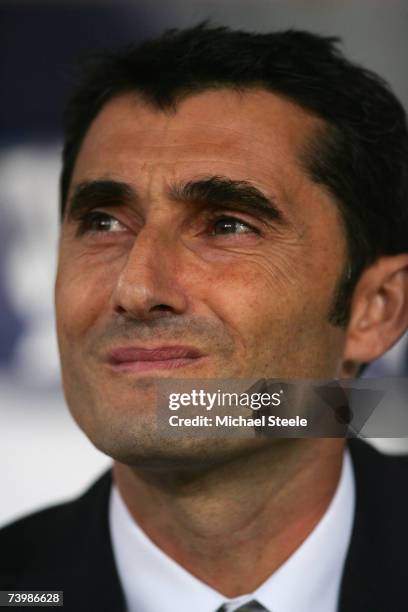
x=379, y=311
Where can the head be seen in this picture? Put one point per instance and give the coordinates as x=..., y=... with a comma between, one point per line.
x=235, y=202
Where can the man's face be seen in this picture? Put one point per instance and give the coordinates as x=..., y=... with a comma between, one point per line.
x=196, y=240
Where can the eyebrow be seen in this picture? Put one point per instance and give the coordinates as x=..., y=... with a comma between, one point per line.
x=211, y=192
x=221, y=191
x=91, y=194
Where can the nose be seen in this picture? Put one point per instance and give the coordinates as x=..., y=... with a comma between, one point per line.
x=148, y=285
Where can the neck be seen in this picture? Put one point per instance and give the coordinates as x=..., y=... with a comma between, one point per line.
x=250, y=514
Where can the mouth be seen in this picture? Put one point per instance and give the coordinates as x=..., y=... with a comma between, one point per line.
x=138, y=359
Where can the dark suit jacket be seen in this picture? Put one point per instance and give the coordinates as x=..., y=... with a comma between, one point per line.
x=68, y=547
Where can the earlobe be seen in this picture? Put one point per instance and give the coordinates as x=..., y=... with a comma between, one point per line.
x=379, y=310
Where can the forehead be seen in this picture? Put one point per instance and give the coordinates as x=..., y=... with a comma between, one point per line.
x=252, y=135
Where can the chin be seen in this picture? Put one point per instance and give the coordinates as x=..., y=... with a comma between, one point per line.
x=142, y=447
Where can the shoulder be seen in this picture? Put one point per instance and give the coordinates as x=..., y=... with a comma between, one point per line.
x=372, y=465
x=51, y=535
x=380, y=481
x=46, y=522
x=375, y=574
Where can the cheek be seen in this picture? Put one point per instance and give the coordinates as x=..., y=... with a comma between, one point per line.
x=81, y=294
x=257, y=289
x=249, y=297
x=277, y=316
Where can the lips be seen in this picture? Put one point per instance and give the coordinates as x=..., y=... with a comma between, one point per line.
x=141, y=359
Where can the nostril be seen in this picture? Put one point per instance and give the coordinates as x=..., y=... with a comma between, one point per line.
x=119, y=309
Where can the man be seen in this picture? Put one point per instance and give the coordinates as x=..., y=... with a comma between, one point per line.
x=233, y=207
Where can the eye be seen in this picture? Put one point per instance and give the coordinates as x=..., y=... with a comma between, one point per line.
x=231, y=225
x=99, y=222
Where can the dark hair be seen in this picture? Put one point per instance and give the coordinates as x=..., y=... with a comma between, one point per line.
x=360, y=157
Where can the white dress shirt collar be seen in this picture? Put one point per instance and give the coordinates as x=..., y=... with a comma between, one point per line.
x=308, y=580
